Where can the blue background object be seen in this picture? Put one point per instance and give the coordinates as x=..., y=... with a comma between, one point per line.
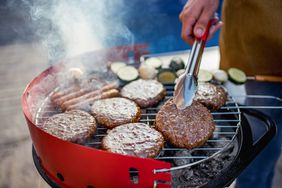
x=156, y=23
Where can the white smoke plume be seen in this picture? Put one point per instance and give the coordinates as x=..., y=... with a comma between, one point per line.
x=71, y=27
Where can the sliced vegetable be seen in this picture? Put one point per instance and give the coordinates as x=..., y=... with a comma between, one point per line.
x=237, y=76
x=204, y=76
x=180, y=72
x=155, y=62
x=220, y=75
x=115, y=66
x=127, y=73
x=166, y=76
x=176, y=64
x=147, y=72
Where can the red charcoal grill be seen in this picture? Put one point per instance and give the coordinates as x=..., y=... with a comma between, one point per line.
x=65, y=164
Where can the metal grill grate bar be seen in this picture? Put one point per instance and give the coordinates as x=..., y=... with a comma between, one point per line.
x=183, y=157
x=194, y=149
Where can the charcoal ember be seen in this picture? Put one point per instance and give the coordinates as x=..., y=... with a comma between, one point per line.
x=186, y=178
x=210, y=168
x=188, y=174
x=182, y=160
x=222, y=143
x=181, y=176
x=202, y=173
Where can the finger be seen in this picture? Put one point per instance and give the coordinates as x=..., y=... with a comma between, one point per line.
x=214, y=20
x=215, y=28
x=188, y=17
x=188, y=39
x=187, y=33
x=191, y=9
x=188, y=7
x=202, y=23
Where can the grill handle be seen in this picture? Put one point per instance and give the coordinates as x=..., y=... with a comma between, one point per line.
x=273, y=102
x=248, y=150
x=265, y=138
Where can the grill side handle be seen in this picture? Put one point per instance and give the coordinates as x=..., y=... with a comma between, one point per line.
x=248, y=149
x=251, y=148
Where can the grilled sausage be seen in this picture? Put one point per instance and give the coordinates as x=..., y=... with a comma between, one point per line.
x=78, y=97
x=85, y=104
x=58, y=94
x=70, y=96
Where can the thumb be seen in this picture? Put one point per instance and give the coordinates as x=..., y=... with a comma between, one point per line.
x=199, y=30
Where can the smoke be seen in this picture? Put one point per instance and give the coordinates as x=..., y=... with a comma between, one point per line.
x=67, y=28
x=71, y=27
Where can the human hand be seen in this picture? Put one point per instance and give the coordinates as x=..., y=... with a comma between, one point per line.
x=195, y=17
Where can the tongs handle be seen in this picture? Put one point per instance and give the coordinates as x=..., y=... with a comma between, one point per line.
x=197, y=51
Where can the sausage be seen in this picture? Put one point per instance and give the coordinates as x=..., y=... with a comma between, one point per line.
x=85, y=104
x=72, y=95
x=58, y=94
x=88, y=95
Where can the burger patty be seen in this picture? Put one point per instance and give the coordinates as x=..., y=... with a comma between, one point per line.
x=135, y=139
x=145, y=93
x=188, y=128
x=74, y=126
x=116, y=111
x=211, y=96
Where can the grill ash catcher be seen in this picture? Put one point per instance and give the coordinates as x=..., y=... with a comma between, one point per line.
x=65, y=164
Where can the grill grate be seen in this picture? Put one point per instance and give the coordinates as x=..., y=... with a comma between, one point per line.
x=227, y=121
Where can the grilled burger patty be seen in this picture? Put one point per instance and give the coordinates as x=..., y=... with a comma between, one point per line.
x=74, y=126
x=115, y=111
x=211, y=96
x=188, y=128
x=144, y=92
x=135, y=139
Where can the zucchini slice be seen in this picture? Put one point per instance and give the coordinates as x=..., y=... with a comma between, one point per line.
x=237, y=76
x=204, y=76
x=166, y=76
x=176, y=64
x=127, y=73
x=155, y=62
x=115, y=66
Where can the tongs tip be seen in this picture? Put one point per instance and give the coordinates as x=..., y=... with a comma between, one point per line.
x=185, y=90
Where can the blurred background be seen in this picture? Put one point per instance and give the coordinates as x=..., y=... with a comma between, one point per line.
x=35, y=34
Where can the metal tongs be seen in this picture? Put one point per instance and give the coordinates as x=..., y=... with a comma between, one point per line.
x=186, y=85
